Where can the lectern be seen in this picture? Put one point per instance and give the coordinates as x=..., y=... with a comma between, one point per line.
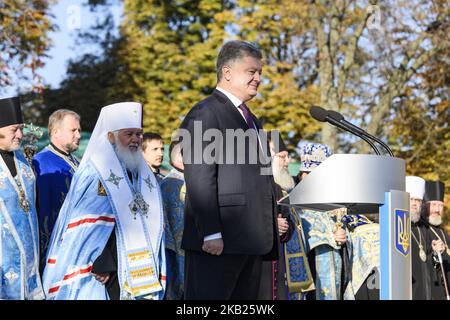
x=367, y=184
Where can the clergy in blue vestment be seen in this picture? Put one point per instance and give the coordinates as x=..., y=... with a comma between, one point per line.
x=19, y=244
x=107, y=242
x=343, y=249
x=173, y=190
x=364, y=241
x=54, y=167
x=325, y=237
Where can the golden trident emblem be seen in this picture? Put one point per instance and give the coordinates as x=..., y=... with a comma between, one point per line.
x=403, y=232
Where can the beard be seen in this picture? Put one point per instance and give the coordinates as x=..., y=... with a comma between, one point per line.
x=131, y=160
x=415, y=216
x=282, y=177
x=71, y=147
x=14, y=146
x=434, y=220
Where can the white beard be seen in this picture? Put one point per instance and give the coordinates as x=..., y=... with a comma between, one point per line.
x=14, y=148
x=282, y=177
x=434, y=220
x=131, y=160
x=415, y=216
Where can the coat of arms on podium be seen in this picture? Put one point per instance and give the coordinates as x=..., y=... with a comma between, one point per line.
x=402, y=231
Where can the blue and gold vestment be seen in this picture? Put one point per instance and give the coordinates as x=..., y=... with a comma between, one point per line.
x=173, y=190
x=319, y=230
x=19, y=244
x=81, y=233
x=54, y=171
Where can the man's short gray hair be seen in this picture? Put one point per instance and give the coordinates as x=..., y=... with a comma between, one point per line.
x=58, y=116
x=235, y=50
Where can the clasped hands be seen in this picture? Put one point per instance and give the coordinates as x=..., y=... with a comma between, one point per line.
x=438, y=246
x=101, y=277
x=340, y=236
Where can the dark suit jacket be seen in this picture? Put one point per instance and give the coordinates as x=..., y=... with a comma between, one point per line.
x=231, y=198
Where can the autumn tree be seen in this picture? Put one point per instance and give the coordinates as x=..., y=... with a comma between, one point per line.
x=384, y=65
x=24, y=40
x=420, y=130
x=93, y=80
x=169, y=49
x=282, y=30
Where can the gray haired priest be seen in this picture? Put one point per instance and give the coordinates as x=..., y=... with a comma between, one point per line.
x=439, y=239
x=19, y=244
x=107, y=241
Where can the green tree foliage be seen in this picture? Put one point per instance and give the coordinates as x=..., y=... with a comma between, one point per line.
x=24, y=40
x=169, y=50
x=385, y=67
x=420, y=131
x=383, y=64
x=92, y=80
x=289, y=85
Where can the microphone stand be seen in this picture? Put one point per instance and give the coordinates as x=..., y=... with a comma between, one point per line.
x=356, y=133
x=333, y=117
x=384, y=145
x=338, y=117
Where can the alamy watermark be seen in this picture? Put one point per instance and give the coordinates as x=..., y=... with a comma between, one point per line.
x=228, y=146
x=74, y=17
x=374, y=19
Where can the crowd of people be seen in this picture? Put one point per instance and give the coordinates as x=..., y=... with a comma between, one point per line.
x=113, y=226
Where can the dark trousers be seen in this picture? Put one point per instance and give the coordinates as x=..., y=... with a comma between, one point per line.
x=224, y=277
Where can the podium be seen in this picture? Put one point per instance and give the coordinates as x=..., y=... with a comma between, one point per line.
x=367, y=184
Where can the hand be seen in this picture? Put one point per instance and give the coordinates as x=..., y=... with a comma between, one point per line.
x=214, y=247
x=283, y=225
x=340, y=236
x=438, y=246
x=102, y=277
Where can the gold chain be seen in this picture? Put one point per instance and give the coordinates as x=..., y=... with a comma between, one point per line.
x=420, y=237
x=445, y=240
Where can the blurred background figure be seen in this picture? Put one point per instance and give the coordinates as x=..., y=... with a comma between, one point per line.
x=54, y=167
x=273, y=284
x=173, y=191
x=153, y=148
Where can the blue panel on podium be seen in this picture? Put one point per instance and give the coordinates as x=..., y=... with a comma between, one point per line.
x=395, y=247
x=384, y=249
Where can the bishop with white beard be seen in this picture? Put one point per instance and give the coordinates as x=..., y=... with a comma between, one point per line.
x=107, y=241
x=420, y=248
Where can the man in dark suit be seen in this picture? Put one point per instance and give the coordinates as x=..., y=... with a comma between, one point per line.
x=230, y=220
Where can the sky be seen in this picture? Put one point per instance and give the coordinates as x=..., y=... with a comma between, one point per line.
x=71, y=17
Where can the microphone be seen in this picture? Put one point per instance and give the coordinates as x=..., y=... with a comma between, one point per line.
x=339, y=117
x=318, y=113
x=322, y=115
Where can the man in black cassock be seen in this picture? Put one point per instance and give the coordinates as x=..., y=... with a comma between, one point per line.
x=439, y=239
x=420, y=243
x=273, y=284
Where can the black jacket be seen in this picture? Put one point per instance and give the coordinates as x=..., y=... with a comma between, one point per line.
x=225, y=196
